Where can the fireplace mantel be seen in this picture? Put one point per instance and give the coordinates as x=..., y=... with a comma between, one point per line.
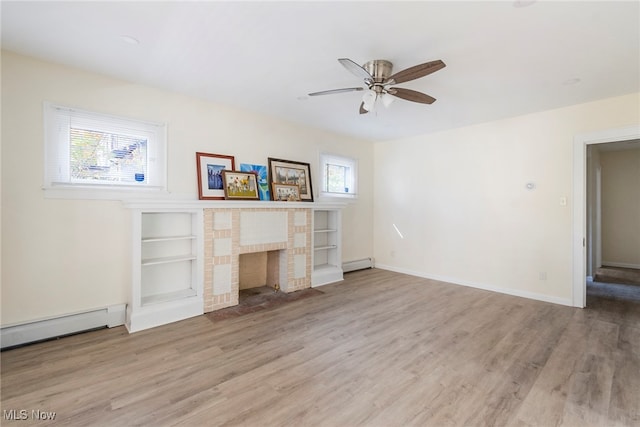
x=227, y=204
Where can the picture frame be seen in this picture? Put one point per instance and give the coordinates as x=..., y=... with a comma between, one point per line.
x=240, y=185
x=263, y=178
x=210, y=167
x=293, y=173
x=286, y=193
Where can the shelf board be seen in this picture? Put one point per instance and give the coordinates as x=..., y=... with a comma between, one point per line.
x=167, y=238
x=168, y=259
x=320, y=248
x=325, y=230
x=321, y=267
x=168, y=296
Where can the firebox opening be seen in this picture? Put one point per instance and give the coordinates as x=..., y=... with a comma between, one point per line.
x=259, y=269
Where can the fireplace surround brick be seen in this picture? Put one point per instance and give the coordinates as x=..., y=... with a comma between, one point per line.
x=264, y=230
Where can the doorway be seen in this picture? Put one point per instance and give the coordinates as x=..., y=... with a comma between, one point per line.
x=613, y=220
x=582, y=236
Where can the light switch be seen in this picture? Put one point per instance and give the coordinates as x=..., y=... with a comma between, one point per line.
x=563, y=201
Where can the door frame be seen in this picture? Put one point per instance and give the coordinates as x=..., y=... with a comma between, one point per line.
x=580, y=143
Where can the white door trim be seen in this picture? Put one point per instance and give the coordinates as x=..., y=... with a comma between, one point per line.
x=580, y=143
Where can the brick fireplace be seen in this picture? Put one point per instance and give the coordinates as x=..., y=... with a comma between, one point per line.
x=230, y=232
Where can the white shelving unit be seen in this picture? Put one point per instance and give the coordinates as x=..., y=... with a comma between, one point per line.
x=327, y=246
x=167, y=267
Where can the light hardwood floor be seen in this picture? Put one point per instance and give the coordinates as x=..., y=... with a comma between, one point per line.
x=379, y=349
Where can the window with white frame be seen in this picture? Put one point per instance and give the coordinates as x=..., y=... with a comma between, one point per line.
x=339, y=175
x=85, y=149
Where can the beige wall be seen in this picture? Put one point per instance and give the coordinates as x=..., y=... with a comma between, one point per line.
x=460, y=201
x=621, y=208
x=65, y=256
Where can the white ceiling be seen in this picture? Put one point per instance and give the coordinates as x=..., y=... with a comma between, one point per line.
x=502, y=60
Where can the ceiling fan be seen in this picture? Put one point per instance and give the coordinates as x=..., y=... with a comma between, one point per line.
x=378, y=78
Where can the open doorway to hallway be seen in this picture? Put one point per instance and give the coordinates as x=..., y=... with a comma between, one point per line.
x=613, y=220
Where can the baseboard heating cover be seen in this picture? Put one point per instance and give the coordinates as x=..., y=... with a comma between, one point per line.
x=360, y=264
x=15, y=335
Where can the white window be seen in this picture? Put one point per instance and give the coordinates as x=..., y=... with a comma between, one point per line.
x=92, y=151
x=339, y=176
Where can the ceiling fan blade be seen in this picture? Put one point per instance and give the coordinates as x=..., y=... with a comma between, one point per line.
x=362, y=109
x=416, y=72
x=332, y=91
x=355, y=69
x=411, y=95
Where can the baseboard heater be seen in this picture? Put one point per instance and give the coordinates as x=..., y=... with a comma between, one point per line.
x=25, y=333
x=360, y=264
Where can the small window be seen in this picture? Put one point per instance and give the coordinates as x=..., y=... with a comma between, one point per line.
x=339, y=175
x=91, y=150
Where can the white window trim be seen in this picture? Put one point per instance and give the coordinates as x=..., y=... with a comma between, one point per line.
x=55, y=189
x=339, y=160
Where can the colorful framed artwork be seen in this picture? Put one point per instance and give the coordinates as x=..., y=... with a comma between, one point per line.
x=286, y=193
x=291, y=173
x=240, y=185
x=263, y=178
x=210, y=167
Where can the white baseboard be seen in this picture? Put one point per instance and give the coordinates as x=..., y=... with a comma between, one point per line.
x=360, y=264
x=162, y=313
x=507, y=291
x=620, y=264
x=14, y=335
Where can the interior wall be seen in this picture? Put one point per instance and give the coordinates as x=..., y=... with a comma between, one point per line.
x=456, y=206
x=66, y=256
x=621, y=208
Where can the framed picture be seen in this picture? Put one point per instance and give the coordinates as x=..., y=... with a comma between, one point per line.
x=240, y=185
x=286, y=193
x=210, y=167
x=263, y=178
x=292, y=173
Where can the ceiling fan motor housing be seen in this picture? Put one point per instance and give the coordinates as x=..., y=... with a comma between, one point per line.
x=379, y=69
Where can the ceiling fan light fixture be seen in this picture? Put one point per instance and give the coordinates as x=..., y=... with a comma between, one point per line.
x=386, y=99
x=369, y=100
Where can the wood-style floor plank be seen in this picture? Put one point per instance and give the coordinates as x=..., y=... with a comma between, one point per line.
x=379, y=349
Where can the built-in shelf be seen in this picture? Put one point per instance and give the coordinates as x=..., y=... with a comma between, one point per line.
x=168, y=296
x=167, y=239
x=321, y=267
x=167, y=259
x=320, y=248
x=167, y=266
x=327, y=241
